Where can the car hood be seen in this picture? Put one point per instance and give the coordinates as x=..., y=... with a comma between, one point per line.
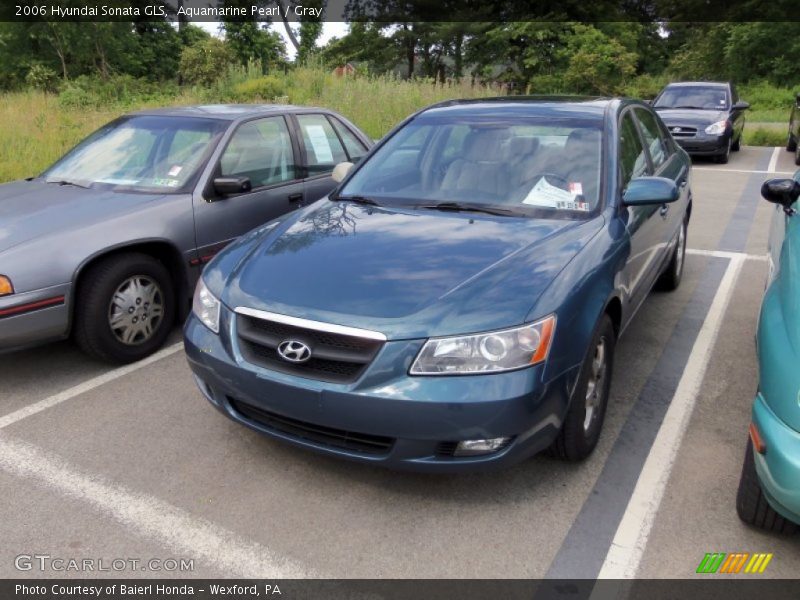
x=691, y=117
x=31, y=209
x=406, y=273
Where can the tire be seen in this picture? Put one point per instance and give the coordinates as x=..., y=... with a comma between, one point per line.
x=752, y=505
x=737, y=145
x=670, y=279
x=125, y=290
x=581, y=428
x=791, y=143
x=725, y=156
x=797, y=155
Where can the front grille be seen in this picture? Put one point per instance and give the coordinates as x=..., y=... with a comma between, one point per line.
x=335, y=357
x=680, y=131
x=327, y=436
x=446, y=448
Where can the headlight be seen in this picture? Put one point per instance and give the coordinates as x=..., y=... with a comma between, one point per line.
x=5, y=286
x=490, y=352
x=717, y=128
x=206, y=307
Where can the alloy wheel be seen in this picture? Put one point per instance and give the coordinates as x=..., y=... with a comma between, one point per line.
x=595, y=386
x=136, y=310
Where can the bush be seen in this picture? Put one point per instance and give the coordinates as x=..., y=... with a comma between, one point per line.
x=42, y=78
x=644, y=87
x=124, y=90
x=762, y=95
x=205, y=62
x=260, y=89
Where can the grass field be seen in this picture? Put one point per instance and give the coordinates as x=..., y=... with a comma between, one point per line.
x=36, y=128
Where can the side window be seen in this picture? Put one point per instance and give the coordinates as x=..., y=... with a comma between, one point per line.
x=355, y=149
x=632, y=158
x=653, y=137
x=262, y=151
x=323, y=148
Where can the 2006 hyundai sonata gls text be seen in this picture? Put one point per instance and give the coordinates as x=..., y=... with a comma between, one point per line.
x=456, y=302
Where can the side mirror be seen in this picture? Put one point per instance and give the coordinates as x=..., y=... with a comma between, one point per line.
x=781, y=191
x=340, y=171
x=650, y=190
x=741, y=105
x=225, y=186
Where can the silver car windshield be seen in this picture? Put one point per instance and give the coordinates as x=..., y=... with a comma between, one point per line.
x=140, y=153
x=524, y=166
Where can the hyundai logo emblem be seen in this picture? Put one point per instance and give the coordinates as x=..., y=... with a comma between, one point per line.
x=294, y=351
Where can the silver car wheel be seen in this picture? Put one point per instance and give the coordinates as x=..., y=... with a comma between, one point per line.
x=136, y=310
x=595, y=385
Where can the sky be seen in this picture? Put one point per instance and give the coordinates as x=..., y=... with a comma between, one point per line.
x=329, y=30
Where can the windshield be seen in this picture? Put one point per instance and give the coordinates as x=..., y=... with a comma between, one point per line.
x=691, y=96
x=524, y=166
x=145, y=153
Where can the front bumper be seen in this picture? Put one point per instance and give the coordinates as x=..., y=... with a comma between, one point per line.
x=35, y=317
x=703, y=144
x=779, y=468
x=420, y=417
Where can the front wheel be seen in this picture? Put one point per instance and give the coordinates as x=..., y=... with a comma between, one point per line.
x=670, y=279
x=752, y=506
x=124, y=309
x=726, y=155
x=587, y=408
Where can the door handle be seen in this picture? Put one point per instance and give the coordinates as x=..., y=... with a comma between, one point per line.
x=663, y=210
x=295, y=197
x=684, y=182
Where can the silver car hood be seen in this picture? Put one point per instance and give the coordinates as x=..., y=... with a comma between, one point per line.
x=32, y=209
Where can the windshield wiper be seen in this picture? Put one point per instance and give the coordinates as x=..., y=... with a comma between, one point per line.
x=687, y=107
x=68, y=182
x=470, y=207
x=358, y=199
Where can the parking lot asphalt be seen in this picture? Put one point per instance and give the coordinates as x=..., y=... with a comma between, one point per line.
x=132, y=463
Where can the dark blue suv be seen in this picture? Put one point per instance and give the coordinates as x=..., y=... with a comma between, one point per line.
x=455, y=303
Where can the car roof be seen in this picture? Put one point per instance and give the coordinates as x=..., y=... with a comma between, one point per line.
x=540, y=106
x=697, y=83
x=226, y=112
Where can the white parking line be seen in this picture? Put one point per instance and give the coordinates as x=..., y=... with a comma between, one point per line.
x=86, y=386
x=725, y=254
x=773, y=160
x=219, y=548
x=719, y=170
x=630, y=540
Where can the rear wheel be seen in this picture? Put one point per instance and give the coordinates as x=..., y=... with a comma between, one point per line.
x=124, y=308
x=584, y=421
x=670, y=279
x=791, y=143
x=751, y=504
x=736, y=146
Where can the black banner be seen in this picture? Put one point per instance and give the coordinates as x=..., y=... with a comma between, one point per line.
x=395, y=11
x=704, y=587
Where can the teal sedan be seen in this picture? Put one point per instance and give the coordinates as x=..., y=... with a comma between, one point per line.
x=769, y=489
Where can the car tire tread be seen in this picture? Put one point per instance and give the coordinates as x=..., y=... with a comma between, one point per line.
x=573, y=443
x=751, y=503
